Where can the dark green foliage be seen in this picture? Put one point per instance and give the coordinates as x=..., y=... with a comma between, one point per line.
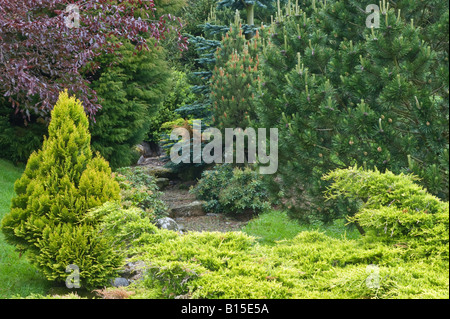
x=131, y=88
x=61, y=182
x=19, y=138
x=173, y=7
x=248, y=6
x=180, y=94
x=234, y=79
x=232, y=191
x=342, y=94
x=17, y=141
x=195, y=14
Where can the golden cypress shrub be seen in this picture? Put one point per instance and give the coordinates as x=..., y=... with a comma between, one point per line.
x=61, y=182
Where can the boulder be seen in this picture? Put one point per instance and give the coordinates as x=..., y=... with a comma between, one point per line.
x=167, y=223
x=161, y=172
x=186, y=210
x=133, y=270
x=120, y=282
x=141, y=160
x=148, y=149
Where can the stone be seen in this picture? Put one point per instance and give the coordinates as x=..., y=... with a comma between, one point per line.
x=141, y=160
x=161, y=172
x=133, y=270
x=120, y=282
x=192, y=209
x=167, y=223
x=140, y=149
x=148, y=150
x=212, y=214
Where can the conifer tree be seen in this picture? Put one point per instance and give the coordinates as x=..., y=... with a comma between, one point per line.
x=61, y=182
x=234, y=79
x=131, y=86
x=205, y=47
x=347, y=94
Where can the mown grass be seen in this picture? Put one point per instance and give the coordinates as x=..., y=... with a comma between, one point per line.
x=17, y=276
x=273, y=226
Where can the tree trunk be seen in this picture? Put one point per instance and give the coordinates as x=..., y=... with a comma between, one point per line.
x=360, y=229
x=250, y=19
x=250, y=14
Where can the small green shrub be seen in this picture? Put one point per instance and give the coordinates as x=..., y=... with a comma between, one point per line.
x=61, y=182
x=394, y=209
x=232, y=190
x=138, y=188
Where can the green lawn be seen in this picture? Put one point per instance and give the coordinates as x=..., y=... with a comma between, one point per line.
x=17, y=276
x=273, y=226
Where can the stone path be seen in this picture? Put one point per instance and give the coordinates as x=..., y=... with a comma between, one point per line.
x=184, y=208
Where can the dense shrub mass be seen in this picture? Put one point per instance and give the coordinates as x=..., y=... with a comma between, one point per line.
x=138, y=189
x=61, y=182
x=309, y=265
x=17, y=140
x=131, y=86
x=358, y=207
x=232, y=190
x=342, y=94
x=395, y=210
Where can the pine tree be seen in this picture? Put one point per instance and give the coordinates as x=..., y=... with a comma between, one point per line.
x=216, y=25
x=205, y=47
x=234, y=79
x=249, y=7
x=347, y=95
x=61, y=182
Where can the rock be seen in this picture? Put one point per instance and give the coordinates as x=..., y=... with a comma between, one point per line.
x=161, y=172
x=167, y=223
x=133, y=270
x=120, y=282
x=192, y=209
x=162, y=182
x=140, y=149
x=212, y=214
x=141, y=160
x=148, y=149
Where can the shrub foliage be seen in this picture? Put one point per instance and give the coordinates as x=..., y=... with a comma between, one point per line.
x=61, y=182
x=232, y=191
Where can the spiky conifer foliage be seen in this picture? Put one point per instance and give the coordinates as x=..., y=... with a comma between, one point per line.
x=234, y=79
x=345, y=94
x=61, y=182
x=131, y=86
